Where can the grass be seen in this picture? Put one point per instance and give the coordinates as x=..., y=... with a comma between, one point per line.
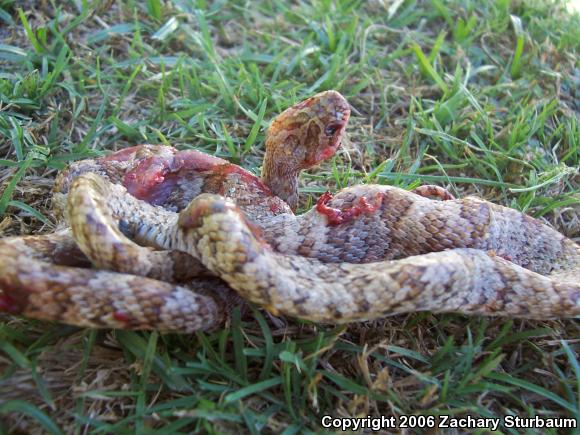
x=480, y=97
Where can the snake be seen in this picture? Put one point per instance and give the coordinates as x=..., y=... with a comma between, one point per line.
x=364, y=253
x=48, y=277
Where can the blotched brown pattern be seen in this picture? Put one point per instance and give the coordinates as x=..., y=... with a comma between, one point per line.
x=367, y=252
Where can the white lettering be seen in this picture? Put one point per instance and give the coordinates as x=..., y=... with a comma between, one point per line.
x=537, y=422
x=444, y=422
x=356, y=424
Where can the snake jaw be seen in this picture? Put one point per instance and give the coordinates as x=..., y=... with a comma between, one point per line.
x=327, y=125
x=334, y=131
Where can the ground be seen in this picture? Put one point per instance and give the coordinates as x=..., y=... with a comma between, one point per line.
x=479, y=97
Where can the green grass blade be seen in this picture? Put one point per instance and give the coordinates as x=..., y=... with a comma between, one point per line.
x=256, y=127
x=252, y=389
x=30, y=210
x=29, y=32
x=427, y=68
x=536, y=389
x=7, y=194
x=22, y=407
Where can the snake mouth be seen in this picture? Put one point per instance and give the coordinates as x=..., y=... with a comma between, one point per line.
x=334, y=127
x=333, y=132
x=327, y=152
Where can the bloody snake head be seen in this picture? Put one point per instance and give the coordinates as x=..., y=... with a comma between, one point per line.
x=310, y=131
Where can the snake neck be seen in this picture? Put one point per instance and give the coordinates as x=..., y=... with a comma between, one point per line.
x=280, y=173
x=302, y=136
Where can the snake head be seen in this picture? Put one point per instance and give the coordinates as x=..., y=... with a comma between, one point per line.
x=301, y=137
x=310, y=131
x=321, y=135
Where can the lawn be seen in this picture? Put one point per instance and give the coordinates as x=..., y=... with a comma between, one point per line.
x=480, y=97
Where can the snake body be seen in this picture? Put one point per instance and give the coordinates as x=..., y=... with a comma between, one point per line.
x=460, y=280
x=467, y=255
x=38, y=289
x=367, y=252
x=40, y=276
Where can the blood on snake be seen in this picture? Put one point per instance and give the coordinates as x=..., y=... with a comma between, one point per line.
x=279, y=258
x=300, y=137
x=466, y=270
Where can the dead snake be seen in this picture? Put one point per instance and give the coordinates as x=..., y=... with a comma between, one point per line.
x=496, y=260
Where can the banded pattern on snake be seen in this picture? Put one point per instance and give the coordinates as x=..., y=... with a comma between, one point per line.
x=367, y=252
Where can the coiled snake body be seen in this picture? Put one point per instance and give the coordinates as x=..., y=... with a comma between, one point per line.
x=367, y=252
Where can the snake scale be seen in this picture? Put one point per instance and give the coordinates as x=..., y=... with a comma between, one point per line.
x=171, y=233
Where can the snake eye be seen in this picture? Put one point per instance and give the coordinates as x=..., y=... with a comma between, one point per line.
x=331, y=129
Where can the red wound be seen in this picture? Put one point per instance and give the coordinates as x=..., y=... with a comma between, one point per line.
x=148, y=180
x=121, y=316
x=336, y=216
x=196, y=161
x=327, y=152
x=9, y=305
